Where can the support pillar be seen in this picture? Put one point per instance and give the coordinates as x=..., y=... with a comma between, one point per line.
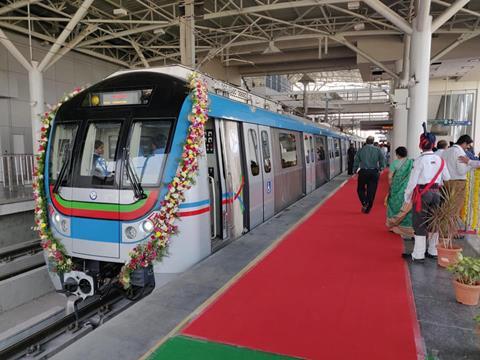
x=419, y=74
x=187, y=35
x=400, y=118
x=35, y=79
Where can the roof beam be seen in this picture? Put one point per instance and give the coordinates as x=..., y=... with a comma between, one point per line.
x=390, y=15
x=125, y=33
x=467, y=11
x=16, y=5
x=14, y=51
x=270, y=7
x=447, y=14
x=81, y=11
x=140, y=54
x=343, y=41
x=460, y=40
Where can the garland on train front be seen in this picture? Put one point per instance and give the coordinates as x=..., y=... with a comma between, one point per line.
x=58, y=259
x=143, y=255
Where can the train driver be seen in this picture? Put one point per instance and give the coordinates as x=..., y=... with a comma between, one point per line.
x=99, y=163
x=151, y=168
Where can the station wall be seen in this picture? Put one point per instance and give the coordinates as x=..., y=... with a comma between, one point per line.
x=71, y=71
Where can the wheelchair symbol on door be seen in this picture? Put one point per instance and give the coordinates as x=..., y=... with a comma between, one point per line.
x=269, y=187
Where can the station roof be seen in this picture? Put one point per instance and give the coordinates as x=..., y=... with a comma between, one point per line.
x=254, y=36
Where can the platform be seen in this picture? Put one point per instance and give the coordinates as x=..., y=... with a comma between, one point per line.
x=254, y=299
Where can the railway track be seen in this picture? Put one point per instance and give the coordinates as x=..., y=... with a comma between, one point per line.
x=56, y=332
x=17, y=259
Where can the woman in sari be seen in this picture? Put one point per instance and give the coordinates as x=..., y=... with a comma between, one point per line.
x=399, y=219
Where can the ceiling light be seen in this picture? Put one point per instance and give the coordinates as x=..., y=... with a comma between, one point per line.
x=353, y=5
x=359, y=26
x=120, y=12
x=159, y=31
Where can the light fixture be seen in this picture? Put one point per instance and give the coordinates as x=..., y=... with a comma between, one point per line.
x=353, y=5
x=159, y=31
x=359, y=26
x=120, y=12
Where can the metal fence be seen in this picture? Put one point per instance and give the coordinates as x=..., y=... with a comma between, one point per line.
x=16, y=171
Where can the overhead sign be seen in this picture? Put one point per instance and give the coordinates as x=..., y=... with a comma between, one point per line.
x=451, y=122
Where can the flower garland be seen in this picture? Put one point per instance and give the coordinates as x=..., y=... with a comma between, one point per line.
x=466, y=203
x=58, y=259
x=143, y=255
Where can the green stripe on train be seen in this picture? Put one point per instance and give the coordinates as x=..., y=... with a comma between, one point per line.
x=84, y=205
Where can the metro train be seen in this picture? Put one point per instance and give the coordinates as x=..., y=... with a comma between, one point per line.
x=115, y=146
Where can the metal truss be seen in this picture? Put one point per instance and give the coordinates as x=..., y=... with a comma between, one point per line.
x=146, y=32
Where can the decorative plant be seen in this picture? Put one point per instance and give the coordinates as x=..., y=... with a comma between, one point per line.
x=466, y=270
x=444, y=218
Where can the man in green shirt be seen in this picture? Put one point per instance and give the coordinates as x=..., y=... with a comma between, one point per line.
x=370, y=160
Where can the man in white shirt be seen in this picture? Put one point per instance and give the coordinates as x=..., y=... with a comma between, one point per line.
x=442, y=145
x=429, y=171
x=458, y=170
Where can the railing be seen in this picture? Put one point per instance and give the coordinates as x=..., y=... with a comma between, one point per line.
x=16, y=170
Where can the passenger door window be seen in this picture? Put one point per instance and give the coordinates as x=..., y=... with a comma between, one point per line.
x=267, y=162
x=147, y=146
x=99, y=155
x=253, y=152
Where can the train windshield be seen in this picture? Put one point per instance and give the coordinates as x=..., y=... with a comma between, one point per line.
x=146, y=150
x=61, y=148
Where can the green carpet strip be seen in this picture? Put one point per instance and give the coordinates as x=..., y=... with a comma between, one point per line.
x=186, y=348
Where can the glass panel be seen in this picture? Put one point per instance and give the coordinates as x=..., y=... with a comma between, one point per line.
x=99, y=153
x=147, y=144
x=253, y=152
x=63, y=139
x=288, y=150
x=320, y=150
x=267, y=163
x=312, y=156
x=336, y=143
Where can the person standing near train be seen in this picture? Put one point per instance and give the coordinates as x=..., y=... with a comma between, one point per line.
x=422, y=192
x=371, y=161
x=351, y=158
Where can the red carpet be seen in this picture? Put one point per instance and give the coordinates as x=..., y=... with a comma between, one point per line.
x=335, y=288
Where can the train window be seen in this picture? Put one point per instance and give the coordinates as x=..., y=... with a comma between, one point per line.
x=312, y=156
x=288, y=150
x=99, y=152
x=320, y=148
x=336, y=144
x=147, y=143
x=267, y=162
x=60, y=150
x=253, y=152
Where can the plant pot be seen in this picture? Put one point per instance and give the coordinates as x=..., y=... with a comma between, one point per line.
x=447, y=257
x=466, y=294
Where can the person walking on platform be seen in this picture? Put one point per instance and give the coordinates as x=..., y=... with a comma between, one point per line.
x=458, y=170
x=399, y=219
x=429, y=171
x=351, y=158
x=442, y=145
x=371, y=161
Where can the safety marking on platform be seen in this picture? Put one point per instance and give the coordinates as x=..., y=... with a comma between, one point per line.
x=199, y=310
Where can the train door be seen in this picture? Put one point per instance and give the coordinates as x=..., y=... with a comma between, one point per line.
x=254, y=174
x=331, y=158
x=309, y=163
x=336, y=156
x=232, y=178
x=267, y=172
x=321, y=160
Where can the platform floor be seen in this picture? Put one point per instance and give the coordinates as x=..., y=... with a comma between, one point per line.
x=138, y=329
x=193, y=314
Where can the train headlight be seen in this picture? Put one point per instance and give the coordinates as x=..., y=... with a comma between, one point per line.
x=56, y=218
x=131, y=232
x=147, y=226
x=64, y=225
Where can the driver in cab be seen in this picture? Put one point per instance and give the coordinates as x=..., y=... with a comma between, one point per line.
x=99, y=163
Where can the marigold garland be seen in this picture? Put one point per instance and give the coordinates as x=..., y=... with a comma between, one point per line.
x=58, y=259
x=143, y=255
x=476, y=192
x=466, y=203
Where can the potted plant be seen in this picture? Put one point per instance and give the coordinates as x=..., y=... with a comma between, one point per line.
x=445, y=221
x=467, y=280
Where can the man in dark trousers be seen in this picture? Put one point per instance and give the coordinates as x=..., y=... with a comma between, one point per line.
x=351, y=158
x=370, y=161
